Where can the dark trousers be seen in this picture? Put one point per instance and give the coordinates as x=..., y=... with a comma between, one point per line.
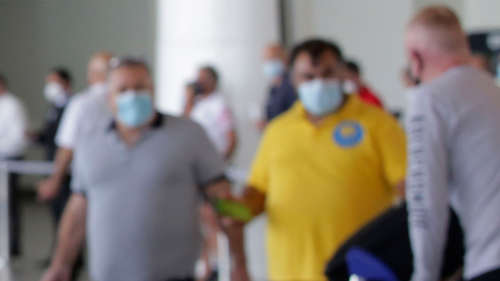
x=490, y=276
x=14, y=216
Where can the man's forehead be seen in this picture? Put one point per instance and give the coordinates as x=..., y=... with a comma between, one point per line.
x=273, y=51
x=129, y=75
x=327, y=58
x=129, y=71
x=54, y=77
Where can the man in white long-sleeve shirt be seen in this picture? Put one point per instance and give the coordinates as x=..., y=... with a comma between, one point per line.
x=454, y=145
x=13, y=123
x=13, y=126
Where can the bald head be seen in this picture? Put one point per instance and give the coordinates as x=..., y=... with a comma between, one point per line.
x=435, y=40
x=98, y=67
x=437, y=29
x=275, y=52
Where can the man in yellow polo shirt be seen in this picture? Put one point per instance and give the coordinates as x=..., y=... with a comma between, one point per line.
x=324, y=169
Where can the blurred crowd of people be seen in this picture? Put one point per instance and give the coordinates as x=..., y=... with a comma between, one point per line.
x=334, y=170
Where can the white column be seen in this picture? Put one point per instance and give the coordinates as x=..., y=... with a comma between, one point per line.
x=229, y=34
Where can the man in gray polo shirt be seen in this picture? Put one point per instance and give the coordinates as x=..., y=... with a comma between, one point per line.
x=137, y=181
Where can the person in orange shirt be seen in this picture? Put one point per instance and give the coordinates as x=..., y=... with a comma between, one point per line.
x=354, y=84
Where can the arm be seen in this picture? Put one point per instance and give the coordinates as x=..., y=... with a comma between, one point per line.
x=234, y=231
x=70, y=240
x=48, y=189
x=254, y=198
x=401, y=190
x=188, y=107
x=232, y=138
x=209, y=171
x=427, y=192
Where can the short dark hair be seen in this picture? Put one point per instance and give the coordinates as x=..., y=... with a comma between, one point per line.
x=353, y=67
x=3, y=81
x=212, y=71
x=315, y=48
x=128, y=61
x=64, y=73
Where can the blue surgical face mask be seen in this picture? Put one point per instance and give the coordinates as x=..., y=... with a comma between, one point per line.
x=135, y=108
x=321, y=97
x=273, y=69
x=498, y=71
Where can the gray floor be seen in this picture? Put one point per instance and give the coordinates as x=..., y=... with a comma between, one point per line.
x=37, y=237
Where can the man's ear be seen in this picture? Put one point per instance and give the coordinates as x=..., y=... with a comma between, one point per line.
x=293, y=78
x=153, y=92
x=416, y=64
x=343, y=72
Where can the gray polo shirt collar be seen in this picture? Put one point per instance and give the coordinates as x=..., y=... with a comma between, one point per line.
x=159, y=122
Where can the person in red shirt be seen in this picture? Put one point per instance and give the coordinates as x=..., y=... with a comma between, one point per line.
x=355, y=84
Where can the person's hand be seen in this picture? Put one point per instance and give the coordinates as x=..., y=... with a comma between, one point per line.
x=189, y=100
x=190, y=94
x=48, y=189
x=57, y=273
x=231, y=226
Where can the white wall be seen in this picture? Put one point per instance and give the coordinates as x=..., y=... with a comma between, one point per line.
x=456, y=5
x=371, y=32
x=481, y=14
x=38, y=35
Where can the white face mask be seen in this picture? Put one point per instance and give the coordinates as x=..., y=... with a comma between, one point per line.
x=55, y=94
x=135, y=108
x=273, y=69
x=321, y=97
x=350, y=87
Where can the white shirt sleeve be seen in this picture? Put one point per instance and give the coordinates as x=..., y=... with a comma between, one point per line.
x=67, y=133
x=427, y=185
x=13, y=140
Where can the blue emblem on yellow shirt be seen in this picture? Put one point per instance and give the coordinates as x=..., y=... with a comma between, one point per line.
x=348, y=134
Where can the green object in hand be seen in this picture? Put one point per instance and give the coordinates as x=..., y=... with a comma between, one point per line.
x=233, y=210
